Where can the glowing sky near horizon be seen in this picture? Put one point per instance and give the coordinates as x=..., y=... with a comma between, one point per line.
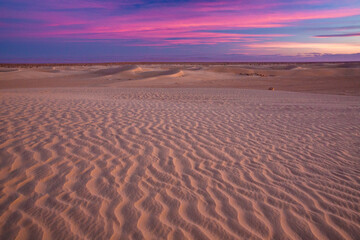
x=226, y=30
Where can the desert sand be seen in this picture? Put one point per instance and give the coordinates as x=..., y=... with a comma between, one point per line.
x=180, y=151
x=331, y=78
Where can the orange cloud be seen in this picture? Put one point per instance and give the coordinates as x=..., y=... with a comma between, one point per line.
x=301, y=48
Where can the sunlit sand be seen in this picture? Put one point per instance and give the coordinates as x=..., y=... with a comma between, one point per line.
x=181, y=151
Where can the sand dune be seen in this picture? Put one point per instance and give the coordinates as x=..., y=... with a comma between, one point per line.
x=8, y=69
x=116, y=70
x=123, y=163
x=333, y=78
x=166, y=73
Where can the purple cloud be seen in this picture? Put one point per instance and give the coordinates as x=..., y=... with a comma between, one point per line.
x=177, y=24
x=339, y=35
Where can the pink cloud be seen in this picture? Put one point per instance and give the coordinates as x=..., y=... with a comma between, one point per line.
x=188, y=24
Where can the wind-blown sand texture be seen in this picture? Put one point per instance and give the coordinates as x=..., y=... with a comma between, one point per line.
x=178, y=163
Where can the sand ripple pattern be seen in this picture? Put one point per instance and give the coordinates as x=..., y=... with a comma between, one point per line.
x=100, y=163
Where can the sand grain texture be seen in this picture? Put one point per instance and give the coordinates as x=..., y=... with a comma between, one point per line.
x=108, y=163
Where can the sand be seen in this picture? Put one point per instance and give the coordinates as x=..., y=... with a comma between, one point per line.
x=106, y=161
x=333, y=78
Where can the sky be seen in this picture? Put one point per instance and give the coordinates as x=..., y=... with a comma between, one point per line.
x=46, y=31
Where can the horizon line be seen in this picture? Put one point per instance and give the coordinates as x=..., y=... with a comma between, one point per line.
x=4, y=64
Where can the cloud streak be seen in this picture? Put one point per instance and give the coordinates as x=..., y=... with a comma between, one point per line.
x=299, y=48
x=175, y=23
x=339, y=35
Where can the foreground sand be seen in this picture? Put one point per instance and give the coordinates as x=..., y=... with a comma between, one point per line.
x=108, y=163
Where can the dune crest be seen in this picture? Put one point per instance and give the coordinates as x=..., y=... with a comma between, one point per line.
x=298, y=77
x=115, y=70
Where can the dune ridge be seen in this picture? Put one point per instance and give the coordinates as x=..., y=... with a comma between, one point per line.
x=326, y=78
x=115, y=70
x=107, y=163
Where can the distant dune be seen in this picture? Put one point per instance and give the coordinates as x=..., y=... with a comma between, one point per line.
x=116, y=70
x=85, y=156
x=333, y=78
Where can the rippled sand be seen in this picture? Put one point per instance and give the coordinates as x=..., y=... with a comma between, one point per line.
x=107, y=163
